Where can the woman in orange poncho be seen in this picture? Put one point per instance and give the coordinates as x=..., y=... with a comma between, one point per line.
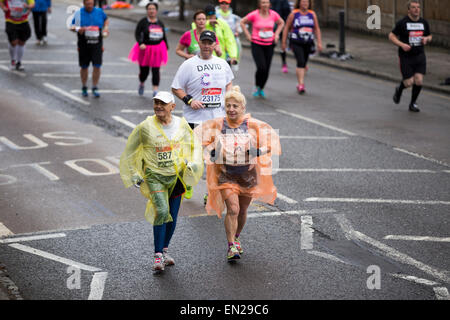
x=238, y=150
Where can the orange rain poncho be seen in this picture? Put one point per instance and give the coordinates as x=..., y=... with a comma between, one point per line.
x=234, y=169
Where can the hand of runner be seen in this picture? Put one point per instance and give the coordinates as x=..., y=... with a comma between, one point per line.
x=105, y=33
x=406, y=47
x=142, y=46
x=138, y=183
x=425, y=40
x=196, y=105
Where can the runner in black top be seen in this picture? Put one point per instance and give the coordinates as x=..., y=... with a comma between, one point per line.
x=411, y=34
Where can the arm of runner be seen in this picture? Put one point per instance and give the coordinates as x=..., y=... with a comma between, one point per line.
x=3, y=6
x=318, y=33
x=181, y=51
x=426, y=40
x=286, y=31
x=105, y=28
x=393, y=38
x=194, y=104
x=244, y=22
x=280, y=25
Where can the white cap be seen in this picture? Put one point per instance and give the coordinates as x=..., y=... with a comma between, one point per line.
x=165, y=97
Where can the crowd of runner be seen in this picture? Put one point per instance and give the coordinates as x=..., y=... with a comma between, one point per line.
x=165, y=155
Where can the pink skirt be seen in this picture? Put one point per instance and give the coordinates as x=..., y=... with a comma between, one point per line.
x=153, y=56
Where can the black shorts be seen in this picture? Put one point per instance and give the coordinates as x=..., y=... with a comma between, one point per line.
x=409, y=66
x=301, y=52
x=20, y=31
x=88, y=53
x=240, y=175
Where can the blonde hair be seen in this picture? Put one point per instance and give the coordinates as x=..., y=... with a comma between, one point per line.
x=235, y=93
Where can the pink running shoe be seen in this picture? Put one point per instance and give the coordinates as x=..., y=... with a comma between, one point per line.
x=301, y=88
x=284, y=69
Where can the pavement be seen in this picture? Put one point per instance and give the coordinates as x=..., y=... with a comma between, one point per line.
x=371, y=55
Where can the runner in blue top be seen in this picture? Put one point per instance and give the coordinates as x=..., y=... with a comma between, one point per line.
x=91, y=25
x=40, y=10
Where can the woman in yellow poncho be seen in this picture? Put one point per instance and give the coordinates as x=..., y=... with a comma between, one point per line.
x=238, y=153
x=160, y=157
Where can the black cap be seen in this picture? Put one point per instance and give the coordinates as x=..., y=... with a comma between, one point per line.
x=208, y=35
x=210, y=10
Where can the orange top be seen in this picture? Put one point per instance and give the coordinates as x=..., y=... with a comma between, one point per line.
x=235, y=170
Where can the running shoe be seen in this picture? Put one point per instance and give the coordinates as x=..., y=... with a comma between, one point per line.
x=84, y=91
x=141, y=90
x=301, y=89
x=44, y=40
x=284, y=69
x=168, y=260
x=261, y=93
x=256, y=92
x=13, y=65
x=189, y=192
x=397, y=96
x=38, y=42
x=95, y=92
x=233, y=253
x=19, y=66
x=205, y=199
x=413, y=107
x=237, y=244
x=158, y=262
x=155, y=93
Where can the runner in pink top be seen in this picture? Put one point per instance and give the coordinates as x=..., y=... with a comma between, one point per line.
x=263, y=40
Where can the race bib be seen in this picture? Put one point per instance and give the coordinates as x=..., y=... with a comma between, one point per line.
x=415, y=38
x=17, y=10
x=211, y=97
x=234, y=148
x=266, y=33
x=306, y=33
x=155, y=33
x=164, y=157
x=92, y=34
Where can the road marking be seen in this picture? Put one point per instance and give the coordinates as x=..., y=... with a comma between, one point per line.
x=53, y=257
x=109, y=91
x=417, y=238
x=441, y=293
x=4, y=231
x=66, y=94
x=46, y=50
x=98, y=285
x=76, y=75
x=306, y=233
x=422, y=157
x=392, y=201
x=326, y=256
x=316, y=122
x=274, y=213
x=314, y=137
x=19, y=73
x=55, y=62
x=124, y=121
x=352, y=234
x=33, y=238
x=40, y=169
x=286, y=199
x=354, y=170
x=145, y=111
x=414, y=279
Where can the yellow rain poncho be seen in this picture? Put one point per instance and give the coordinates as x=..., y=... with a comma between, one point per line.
x=160, y=162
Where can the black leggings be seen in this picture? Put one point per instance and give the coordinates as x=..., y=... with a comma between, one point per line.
x=262, y=55
x=40, y=24
x=144, y=72
x=301, y=52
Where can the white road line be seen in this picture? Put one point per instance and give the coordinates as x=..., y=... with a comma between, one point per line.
x=98, y=285
x=146, y=111
x=314, y=137
x=53, y=257
x=32, y=238
x=124, y=121
x=355, y=170
x=306, y=233
x=109, y=91
x=326, y=256
x=76, y=75
x=422, y=157
x=316, y=122
x=414, y=279
x=417, y=238
x=4, y=231
x=391, y=253
x=66, y=94
x=286, y=199
x=392, y=201
x=22, y=74
x=56, y=62
x=264, y=214
x=46, y=50
x=441, y=293
x=39, y=168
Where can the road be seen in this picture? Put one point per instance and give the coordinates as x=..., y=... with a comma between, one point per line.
x=363, y=188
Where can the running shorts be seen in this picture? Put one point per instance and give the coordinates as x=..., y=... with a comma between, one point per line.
x=88, y=53
x=409, y=66
x=21, y=31
x=240, y=175
x=301, y=52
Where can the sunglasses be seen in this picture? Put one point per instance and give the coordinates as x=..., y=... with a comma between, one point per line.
x=223, y=2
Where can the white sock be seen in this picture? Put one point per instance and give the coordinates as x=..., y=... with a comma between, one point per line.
x=12, y=51
x=19, y=52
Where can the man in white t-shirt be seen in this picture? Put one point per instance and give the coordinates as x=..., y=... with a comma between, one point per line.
x=201, y=82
